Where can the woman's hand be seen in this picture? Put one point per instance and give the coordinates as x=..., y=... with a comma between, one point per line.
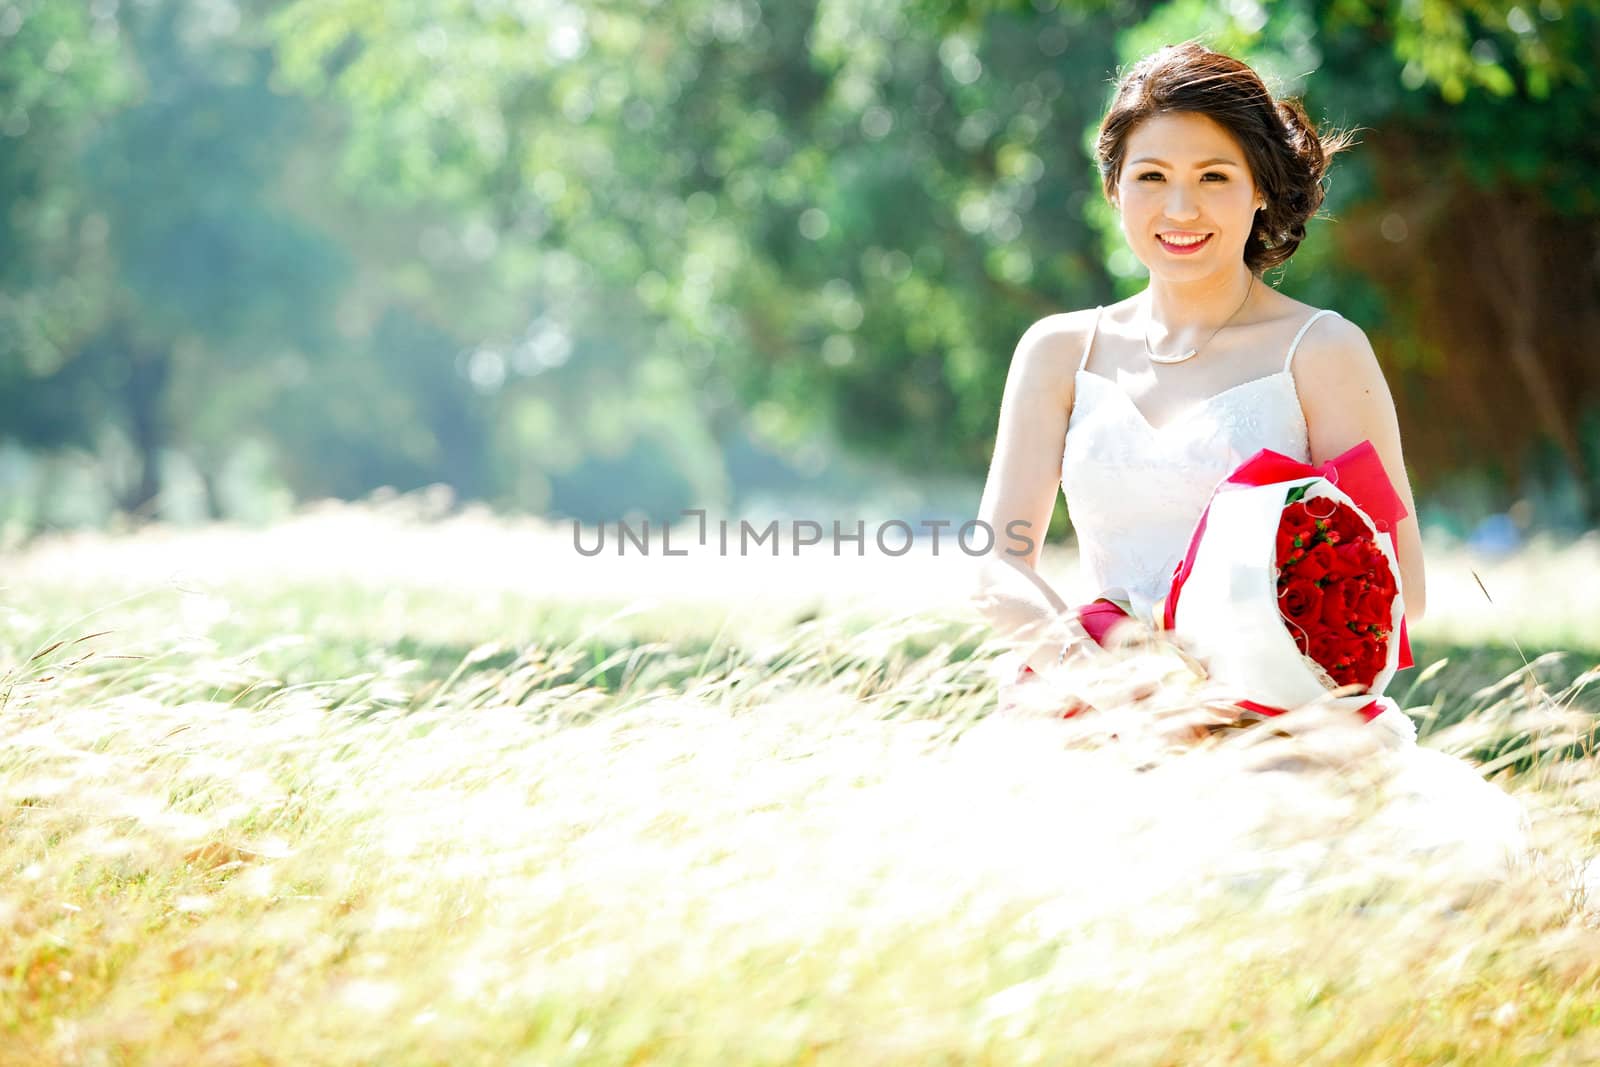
x=1053, y=692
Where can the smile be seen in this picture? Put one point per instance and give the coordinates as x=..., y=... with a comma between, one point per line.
x=1188, y=246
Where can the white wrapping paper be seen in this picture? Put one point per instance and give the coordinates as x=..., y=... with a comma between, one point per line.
x=1228, y=606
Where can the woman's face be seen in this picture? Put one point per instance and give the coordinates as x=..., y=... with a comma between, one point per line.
x=1184, y=176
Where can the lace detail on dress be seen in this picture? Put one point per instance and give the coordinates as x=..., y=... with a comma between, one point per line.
x=1134, y=491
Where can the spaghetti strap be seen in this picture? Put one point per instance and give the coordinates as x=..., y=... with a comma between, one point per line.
x=1303, y=328
x=1089, y=344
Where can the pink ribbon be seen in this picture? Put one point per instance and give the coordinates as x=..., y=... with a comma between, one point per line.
x=1098, y=617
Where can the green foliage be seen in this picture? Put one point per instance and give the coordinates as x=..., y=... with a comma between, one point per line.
x=185, y=275
x=511, y=248
x=57, y=70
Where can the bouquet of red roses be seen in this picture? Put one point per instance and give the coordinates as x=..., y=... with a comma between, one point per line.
x=1290, y=588
x=1336, y=590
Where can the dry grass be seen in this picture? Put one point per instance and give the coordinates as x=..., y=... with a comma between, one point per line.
x=374, y=791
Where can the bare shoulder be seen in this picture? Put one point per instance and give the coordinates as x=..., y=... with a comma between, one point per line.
x=1048, y=352
x=1336, y=356
x=1065, y=331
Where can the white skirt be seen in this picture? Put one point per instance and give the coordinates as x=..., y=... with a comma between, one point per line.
x=1413, y=807
x=1439, y=807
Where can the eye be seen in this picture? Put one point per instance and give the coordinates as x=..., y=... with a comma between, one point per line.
x=1157, y=174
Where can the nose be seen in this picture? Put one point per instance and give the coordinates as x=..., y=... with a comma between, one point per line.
x=1180, y=203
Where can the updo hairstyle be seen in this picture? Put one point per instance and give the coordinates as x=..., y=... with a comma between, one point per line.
x=1286, y=155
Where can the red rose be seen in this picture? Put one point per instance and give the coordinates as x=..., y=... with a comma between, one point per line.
x=1376, y=608
x=1351, y=647
x=1347, y=524
x=1349, y=593
x=1298, y=521
x=1287, y=552
x=1351, y=669
x=1300, y=601
x=1364, y=669
x=1349, y=561
x=1318, y=562
x=1334, y=612
x=1378, y=567
x=1327, y=650
x=1383, y=577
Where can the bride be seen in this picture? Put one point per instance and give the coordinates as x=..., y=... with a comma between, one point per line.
x=1139, y=408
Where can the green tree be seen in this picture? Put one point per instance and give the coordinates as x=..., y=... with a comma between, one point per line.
x=813, y=211
x=162, y=281
x=846, y=213
x=1463, y=221
x=210, y=281
x=59, y=69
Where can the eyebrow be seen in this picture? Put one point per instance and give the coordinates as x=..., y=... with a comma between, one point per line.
x=1202, y=163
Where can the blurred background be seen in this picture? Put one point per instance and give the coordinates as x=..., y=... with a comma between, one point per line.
x=609, y=260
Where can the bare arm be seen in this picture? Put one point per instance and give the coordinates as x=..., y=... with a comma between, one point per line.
x=1020, y=493
x=1347, y=401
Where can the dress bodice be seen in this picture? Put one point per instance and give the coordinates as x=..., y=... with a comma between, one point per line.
x=1134, y=491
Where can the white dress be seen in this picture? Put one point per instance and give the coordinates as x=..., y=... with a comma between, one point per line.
x=1134, y=493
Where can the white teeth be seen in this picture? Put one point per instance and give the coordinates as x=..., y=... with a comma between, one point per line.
x=1185, y=240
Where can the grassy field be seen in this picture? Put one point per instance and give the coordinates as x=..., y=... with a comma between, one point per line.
x=368, y=789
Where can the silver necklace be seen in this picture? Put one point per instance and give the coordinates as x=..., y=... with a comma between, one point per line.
x=1191, y=353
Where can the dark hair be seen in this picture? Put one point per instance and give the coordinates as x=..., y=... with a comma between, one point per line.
x=1286, y=155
